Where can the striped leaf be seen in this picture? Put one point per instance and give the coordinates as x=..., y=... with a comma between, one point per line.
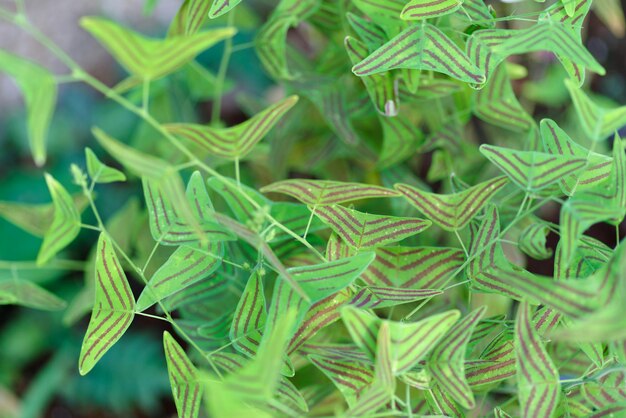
x=428, y=9
x=421, y=47
x=380, y=87
x=499, y=413
x=189, y=18
x=532, y=241
x=496, y=104
x=114, y=307
x=149, y=58
x=183, y=379
x=497, y=363
x=400, y=140
x=609, y=388
x=452, y=211
x=186, y=266
x=381, y=390
x=489, y=47
x=441, y=401
x=317, y=281
x=369, y=32
x=99, y=172
x=413, y=267
x=234, y=142
x=410, y=342
x=476, y=11
x=157, y=170
x=167, y=225
x=221, y=7
x=598, y=122
x=362, y=230
x=447, y=361
x=531, y=170
x=382, y=11
x=326, y=192
x=250, y=317
x=557, y=142
x=39, y=88
x=65, y=224
x=590, y=256
x=25, y=293
x=383, y=297
x=537, y=378
x=251, y=388
x=350, y=377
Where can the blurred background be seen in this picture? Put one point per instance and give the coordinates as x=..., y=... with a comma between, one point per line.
x=38, y=351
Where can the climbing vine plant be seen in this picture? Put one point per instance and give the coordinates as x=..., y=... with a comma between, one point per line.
x=359, y=245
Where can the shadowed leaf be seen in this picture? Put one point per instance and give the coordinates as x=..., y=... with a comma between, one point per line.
x=183, y=379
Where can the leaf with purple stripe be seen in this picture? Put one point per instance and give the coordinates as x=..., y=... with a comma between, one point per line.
x=496, y=104
x=532, y=241
x=413, y=267
x=537, y=377
x=183, y=379
x=350, y=377
x=113, y=310
x=452, y=211
x=590, y=256
x=383, y=297
x=446, y=363
x=327, y=192
x=65, y=224
x=149, y=58
x=221, y=7
x=496, y=363
x=371, y=34
x=250, y=317
x=531, y=170
x=189, y=19
x=363, y=230
x=557, y=142
x=235, y=142
x=401, y=138
x=428, y=9
x=421, y=47
x=380, y=87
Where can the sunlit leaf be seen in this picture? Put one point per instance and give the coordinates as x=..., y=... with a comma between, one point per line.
x=220, y=7
x=114, y=307
x=325, y=192
x=100, y=172
x=250, y=317
x=426, y=9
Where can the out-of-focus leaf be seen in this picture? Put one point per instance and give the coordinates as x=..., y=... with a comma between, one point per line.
x=325, y=192
x=100, y=172
x=25, y=293
x=39, y=88
x=183, y=379
x=426, y=9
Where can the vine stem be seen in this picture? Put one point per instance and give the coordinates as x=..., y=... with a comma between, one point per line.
x=80, y=75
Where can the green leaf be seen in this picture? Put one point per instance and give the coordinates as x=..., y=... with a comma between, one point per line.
x=428, y=9
x=383, y=297
x=557, y=142
x=410, y=341
x=114, y=307
x=380, y=87
x=183, y=379
x=189, y=18
x=447, y=361
x=537, y=378
x=421, y=47
x=25, y=293
x=325, y=192
x=149, y=58
x=413, y=267
x=350, y=377
x=100, y=172
x=65, y=222
x=452, y=211
x=531, y=170
x=362, y=230
x=250, y=317
x=39, y=88
x=598, y=122
x=489, y=47
x=532, y=241
x=496, y=104
x=497, y=363
x=156, y=170
x=221, y=7
x=235, y=142
x=400, y=140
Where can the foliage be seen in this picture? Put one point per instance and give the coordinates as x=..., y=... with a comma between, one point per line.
x=364, y=243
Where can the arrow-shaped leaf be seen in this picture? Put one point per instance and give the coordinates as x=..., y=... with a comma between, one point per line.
x=99, y=172
x=452, y=211
x=326, y=192
x=114, y=307
x=428, y=9
x=183, y=379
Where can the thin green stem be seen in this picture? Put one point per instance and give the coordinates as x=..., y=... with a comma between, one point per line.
x=221, y=74
x=145, y=102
